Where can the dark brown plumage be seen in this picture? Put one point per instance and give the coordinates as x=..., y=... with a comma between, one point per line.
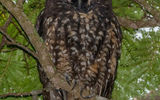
x=84, y=40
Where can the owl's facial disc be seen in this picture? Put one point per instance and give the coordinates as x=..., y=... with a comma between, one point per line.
x=84, y=2
x=80, y=3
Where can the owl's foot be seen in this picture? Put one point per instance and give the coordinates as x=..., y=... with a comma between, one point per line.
x=71, y=82
x=67, y=77
x=74, y=84
x=64, y=95
x=85, y=97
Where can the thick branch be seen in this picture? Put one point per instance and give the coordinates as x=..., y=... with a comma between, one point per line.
x=138, y=23
x=20, y=3
x=43, y=54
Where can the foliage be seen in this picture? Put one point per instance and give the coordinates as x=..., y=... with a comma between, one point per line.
x=18, y=71
x=139, y=70
x=139, y=66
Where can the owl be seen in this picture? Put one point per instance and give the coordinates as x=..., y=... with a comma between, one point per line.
x=84, y=39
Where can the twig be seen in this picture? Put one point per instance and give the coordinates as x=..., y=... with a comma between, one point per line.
x=5, y=27
x=2, y=43
x=144, y=22
x=138, y=23
x=2, y=30
x=8, y=50
x=7, y=22
x=6, y=67
x=26, y=62
x=12, y=42
x=24, y=94
x=155, y=13
x=19, y=30
x=27, y=50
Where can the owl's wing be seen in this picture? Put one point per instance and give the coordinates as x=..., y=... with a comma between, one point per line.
x=46, y=29
x=114, y=55
x=39, y=23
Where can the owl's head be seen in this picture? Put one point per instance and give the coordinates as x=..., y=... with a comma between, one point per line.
x=80, y=5
x=86, y=4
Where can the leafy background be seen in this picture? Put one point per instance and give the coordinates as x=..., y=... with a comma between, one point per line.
x=139, y=66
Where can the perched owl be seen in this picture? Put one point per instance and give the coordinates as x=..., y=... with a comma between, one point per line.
x=83, y=38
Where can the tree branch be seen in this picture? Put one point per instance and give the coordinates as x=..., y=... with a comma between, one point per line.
x=2, y=43
x=43, y=55
x=155, y=13
x=138, y=23
x=12, y=42
x=19, y=30
x=144, y=22
x=7, y=22
x=24, y=94
x=20, y=3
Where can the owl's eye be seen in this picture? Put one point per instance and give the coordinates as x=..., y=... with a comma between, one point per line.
x=71, y=1
x=84, y=1
x=80, y=4
x=74, y=1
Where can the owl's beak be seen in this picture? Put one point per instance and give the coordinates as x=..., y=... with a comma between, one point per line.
x=89, y=2
x=79, y=4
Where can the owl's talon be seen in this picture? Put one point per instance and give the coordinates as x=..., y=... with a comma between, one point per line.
x=64, y=95
x=74, y=84
x=85, y=97
x=67, y=77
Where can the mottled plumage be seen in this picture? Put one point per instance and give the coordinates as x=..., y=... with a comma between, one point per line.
x=84, y=39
